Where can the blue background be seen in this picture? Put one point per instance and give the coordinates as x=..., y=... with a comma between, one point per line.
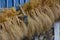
x=11, y=3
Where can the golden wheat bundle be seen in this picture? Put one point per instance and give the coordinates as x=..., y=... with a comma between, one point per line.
x=34, y=16
x=3, y=19
x=41, y=15
x=54, y=16
x=47, y=3
x=11, y=26
x=54, y=2
x=46, y=7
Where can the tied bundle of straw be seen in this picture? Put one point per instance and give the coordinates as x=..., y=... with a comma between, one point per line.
x=41, y=14
x=15, y=29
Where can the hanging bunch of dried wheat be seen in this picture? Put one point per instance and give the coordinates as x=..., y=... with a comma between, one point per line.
x=41, y=14
x=11, y=26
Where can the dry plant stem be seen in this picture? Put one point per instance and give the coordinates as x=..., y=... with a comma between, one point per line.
x=40, y=19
